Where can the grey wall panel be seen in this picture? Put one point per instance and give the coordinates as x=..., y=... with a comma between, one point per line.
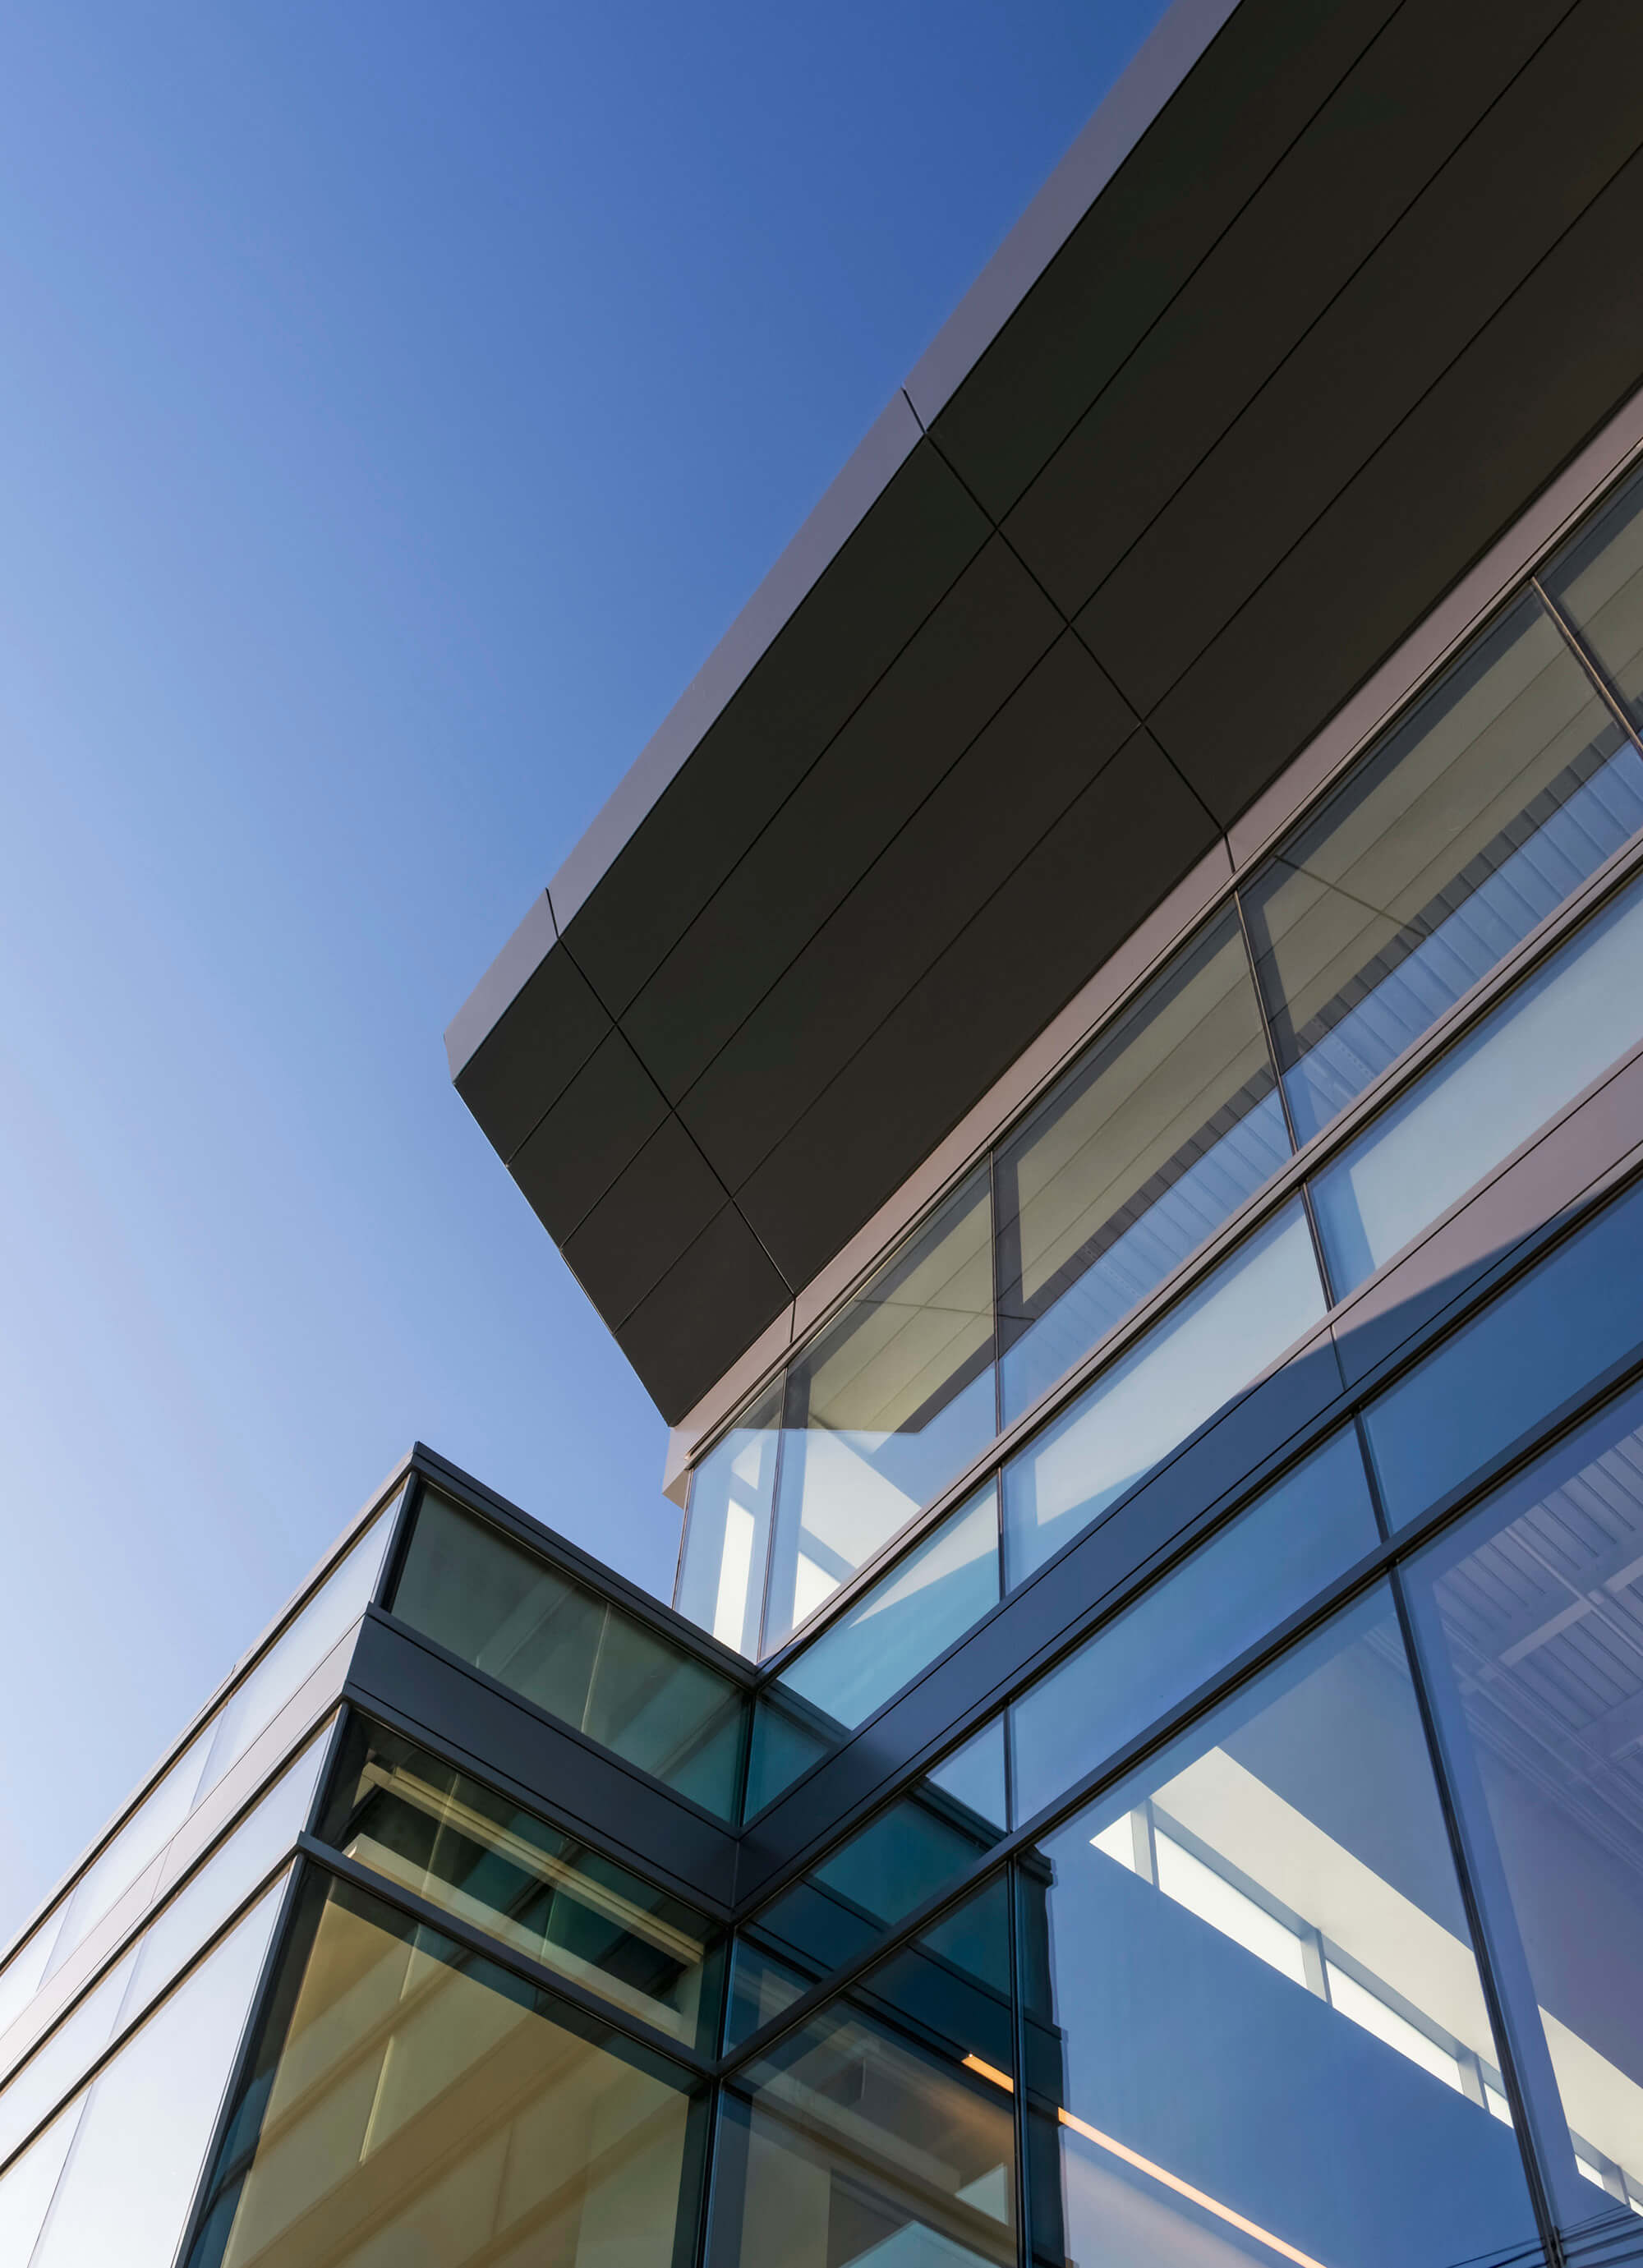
x=526, y=1062
x=1045, y=1614
x=574, y=1782
x=963, y=664
x=1394, y=120
x=712, y=1304
x=1562, y=354
x=1136, y=828
x=654, y=1210
x=1460, y=252
x=910, y=548
x=596, y=1129
x=1268, y=70
x=1016, y=779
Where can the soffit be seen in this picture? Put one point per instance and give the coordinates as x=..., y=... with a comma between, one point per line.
x=1176, y=479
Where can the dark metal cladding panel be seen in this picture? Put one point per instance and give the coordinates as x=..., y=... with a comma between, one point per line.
x=1206, y=154
x=655, y=1209
x=911, y=546
x=1014, y=782
x=706, y=1310
x=1129, y=838
x=521, y=1068
x=595, y=1130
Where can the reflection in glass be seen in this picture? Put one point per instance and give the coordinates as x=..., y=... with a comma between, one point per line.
x=403, y=2100
x=1140, y=1151
x=728, y=1531
x=1536, y=1603
x=761, y=1987
x=882, y=2130
x=28, y=2184
x=895, y=1630
x=890, y=1402
x=1551, y=1334
x=1571, y=1020
x=498, y=1606
x=125, y=2191
x=1473, y=820
x=1256, y=2027
x=1307, y=1530
x=1597, y=581
x=1259, y=1300
x=62, y=2058
x=133, y=1849
x=461, y=1846
x=940, y=1828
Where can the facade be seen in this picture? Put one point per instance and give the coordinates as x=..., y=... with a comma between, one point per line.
x=1095, y=1070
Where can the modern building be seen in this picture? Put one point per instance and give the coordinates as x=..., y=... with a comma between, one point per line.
x=1094, y=1069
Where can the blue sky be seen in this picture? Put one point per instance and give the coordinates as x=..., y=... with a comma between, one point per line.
x=398, y=402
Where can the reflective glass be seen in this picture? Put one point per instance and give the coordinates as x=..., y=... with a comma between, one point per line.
x=1553, y=1332
x=761, y=1987
x=1139, y=1153
x=463, y=1847
x=294, y=1656
x=895, y=1630
x=890, y=1402
x=25, y=1972
x=131, y=2178
x=139, y=1841
x=61, y=2061
x=1255, y=2028
x=1597, y=580
x=28, y=2184
x=925, y=1840
x=267, y=1833
x=1551, y=1037
x=727, y=1532
x=882, y=2130
x=405, y=2101
x=499, y=1606
x=1471, y=822
x=1261, y=1567
x=1535, y=1605
x=1260, y=1300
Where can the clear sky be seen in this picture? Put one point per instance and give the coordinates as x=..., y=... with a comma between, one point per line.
x=397, y=403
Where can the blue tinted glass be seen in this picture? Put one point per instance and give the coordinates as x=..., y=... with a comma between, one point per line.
x=1257, y=1303
x=1243, y=1582
x=927, y=1839
x=1472, y=821
x=1552, y=1036
x=888, y=1405
x=761, y=1987
x=1533, y=1604
x=1554, y=1331
x=1255, y=2028
x=1140, y=1150
x=728, y=1531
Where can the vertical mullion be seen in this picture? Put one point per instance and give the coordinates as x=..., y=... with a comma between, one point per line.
x=1531, y=2086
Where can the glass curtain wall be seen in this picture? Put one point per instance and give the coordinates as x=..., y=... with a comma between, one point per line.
x=1476, y=816
x=404, y=2100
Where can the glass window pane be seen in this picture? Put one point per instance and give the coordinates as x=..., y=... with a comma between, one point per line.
x=1555, y=1034
x=892, y=1401
x=1553, y=1332
x=1597, y=580
x=406, y=2102
x=761, y=1987
x=497, y=1605
x=1467, y=825
x=882, y=2130
x=139, y=1841
x=61, y=2061
x=294, y=1656
x=130, y=2178
x=940, y=1828
x=1259, y=1300
x=895, y=1630
x=24, y=1974
x=267, y=1833
x=1536, y=1603
x=728, y=1531
x=1261, y=1567
x=1140, y=1151
x=1255, y=2022
x=27, y=2185
x=460, y=1844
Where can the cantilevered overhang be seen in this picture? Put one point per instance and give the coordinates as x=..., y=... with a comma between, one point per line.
x=1324, y=293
